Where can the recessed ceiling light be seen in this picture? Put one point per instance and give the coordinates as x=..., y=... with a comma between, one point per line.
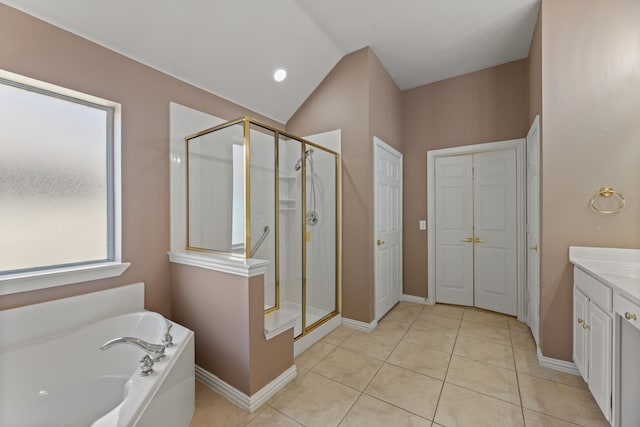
x=280, y=75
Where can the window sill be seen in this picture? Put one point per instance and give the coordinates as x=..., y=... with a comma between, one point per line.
x=33, y=280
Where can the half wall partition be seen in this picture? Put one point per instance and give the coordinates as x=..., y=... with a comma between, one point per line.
x=256, y=192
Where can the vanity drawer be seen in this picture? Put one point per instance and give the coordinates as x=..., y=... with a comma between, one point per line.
x=627, y=310
x=599, y=293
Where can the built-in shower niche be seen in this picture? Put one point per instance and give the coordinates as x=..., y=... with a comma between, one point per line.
x=254, y=192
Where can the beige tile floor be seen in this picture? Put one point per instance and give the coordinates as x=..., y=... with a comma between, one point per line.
x=423, y=366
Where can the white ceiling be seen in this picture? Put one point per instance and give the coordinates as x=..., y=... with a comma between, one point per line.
x=232, y=47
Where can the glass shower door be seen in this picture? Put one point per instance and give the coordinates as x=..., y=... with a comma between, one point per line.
x=320, y=226
x=262, y=207
x=290, y=226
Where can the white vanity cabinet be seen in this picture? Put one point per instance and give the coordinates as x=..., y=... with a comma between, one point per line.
x=606, y=328
x=592, y=336
x=627, y=368
x=580, y=303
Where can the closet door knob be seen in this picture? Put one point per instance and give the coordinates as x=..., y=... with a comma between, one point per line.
x=379, y=242
x=468, y=240
x=534, y=248
x=478, y=240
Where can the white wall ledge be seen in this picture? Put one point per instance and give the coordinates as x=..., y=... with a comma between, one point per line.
x=279, y=321
x=223, y=263
x=41, y=279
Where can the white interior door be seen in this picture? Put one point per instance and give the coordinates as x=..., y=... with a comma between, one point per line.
x=388, y=227
x=533, y=228
x=454, y=229
x=440, y=220
x=495, y=225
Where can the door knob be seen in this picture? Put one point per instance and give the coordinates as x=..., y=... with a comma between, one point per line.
x=534, y=248
x=478, y=240
x=468, y=240
x=380, y=242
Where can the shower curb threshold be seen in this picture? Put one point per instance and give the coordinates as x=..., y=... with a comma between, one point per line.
x=279, y=321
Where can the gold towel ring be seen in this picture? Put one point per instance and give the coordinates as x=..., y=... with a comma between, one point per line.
x=607, y=192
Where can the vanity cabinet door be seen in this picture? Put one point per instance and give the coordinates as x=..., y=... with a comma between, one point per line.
x=598, y=328
x=580, y=303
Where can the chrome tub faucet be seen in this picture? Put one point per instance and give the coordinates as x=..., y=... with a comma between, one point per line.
x=156, y=351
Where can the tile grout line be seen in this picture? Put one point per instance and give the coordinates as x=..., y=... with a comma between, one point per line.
x=415, y=315
x=481, y=393
x=451, y=353
x=363, y=392
x=391, y=364
x=350, y=408
x=282, y=413
x=397, y=343
x=444, y=381
x=524, y=422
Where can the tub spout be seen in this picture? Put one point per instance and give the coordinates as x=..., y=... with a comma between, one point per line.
x=156, y=351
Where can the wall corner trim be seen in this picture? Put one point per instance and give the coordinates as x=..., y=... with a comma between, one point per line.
x=248, y=403
x=360, y=326
x=557, y=364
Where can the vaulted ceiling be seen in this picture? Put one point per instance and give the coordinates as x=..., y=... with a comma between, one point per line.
x=232, y=47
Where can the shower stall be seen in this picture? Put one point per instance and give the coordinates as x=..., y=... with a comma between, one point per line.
x=257, y=193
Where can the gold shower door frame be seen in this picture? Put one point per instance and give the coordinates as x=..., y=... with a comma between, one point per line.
x=246, y=123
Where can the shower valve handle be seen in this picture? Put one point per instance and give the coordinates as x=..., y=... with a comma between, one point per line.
x=167, y=339
x=146, y=366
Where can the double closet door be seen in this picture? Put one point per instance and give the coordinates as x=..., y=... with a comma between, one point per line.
x=476, y=230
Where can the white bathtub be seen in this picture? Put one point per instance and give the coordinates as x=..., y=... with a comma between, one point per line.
x=64, y=379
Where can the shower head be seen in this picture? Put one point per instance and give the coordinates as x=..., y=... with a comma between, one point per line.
x=308, y=153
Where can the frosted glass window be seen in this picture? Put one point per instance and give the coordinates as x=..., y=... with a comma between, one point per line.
x=56, y=202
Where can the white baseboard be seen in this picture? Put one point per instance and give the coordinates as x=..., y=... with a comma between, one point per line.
x=415, y=299
x=359, y=326
x=248, y=403
x=558, y=365
x=316, y=335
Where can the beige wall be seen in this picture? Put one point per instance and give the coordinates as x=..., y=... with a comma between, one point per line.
x=535, y=71
x=484, y=106
x=226, y=314
x=36, y=49
x=591, y=139
x=267, y=358
x=360, y=98
x=585, y=81
x=385, y=106
x=207, y=302
x=340, y=102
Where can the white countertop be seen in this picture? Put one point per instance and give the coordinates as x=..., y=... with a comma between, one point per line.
x=618, y=268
